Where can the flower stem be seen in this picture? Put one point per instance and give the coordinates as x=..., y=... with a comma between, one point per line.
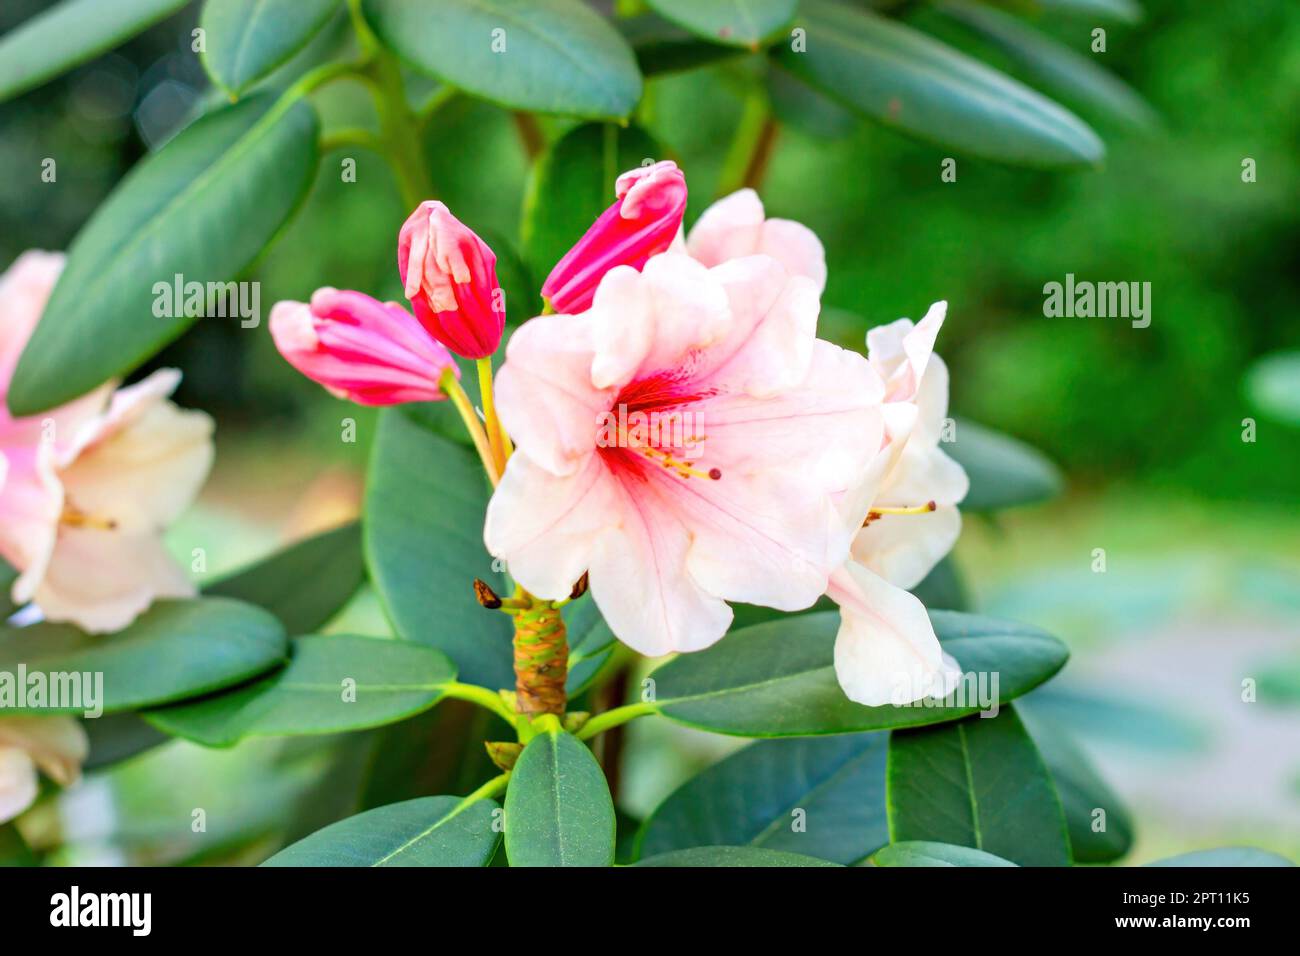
x=489, y=789
x=451, y=387
x=541, y=659
x=751, y=147
x=613, y=718
x=492, y=423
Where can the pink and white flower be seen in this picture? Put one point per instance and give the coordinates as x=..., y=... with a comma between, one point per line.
x=56, y=745
x=86, y=489
x=886, y=650
x=371, y=352
x=736, y=226
x=743, y=509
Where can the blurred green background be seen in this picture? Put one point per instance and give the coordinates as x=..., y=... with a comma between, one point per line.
x=1201, y=529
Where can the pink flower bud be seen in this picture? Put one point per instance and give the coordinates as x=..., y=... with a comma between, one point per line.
x=450, y=275
x=642, y=223
x=374, y=353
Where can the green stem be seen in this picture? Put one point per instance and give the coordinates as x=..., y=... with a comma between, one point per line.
x=488, y=700
x=613, y=718
x=489, y=789
x=451, y=387
x=492, y=423
x=351, y=136
x=746, y=145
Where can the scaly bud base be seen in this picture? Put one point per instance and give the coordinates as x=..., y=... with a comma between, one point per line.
x=541, y=660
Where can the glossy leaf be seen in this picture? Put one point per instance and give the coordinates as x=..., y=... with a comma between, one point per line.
x=743, y=23
x=118, y=737
x=1095, y=837
x=558, y=808
x=429, y=831
x=927, y=853
x=1062, y=71
x=573, y=183
x=305, y=584
x=68, y=34
x=662, y=47
x=1127, y=11
x=1003, y=471
x=778, y=679
x=203, y=207
x=333, y=683
x=423, y=532
x=732, y=856
x=548, y=56
x=176, y=649
x=978, y=782
x=248, y=39
x=905, y=79
x=1226, y=856
x=833, y=788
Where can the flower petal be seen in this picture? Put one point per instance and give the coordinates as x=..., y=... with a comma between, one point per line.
x=903, y=549
x=886, y=651
x=18, y=785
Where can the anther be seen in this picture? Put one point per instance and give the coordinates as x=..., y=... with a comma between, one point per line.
x=485, y=595
x=579, y=588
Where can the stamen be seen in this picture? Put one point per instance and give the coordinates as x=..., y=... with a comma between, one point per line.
x=680, y=468
x=876, y=513
x=74, y=517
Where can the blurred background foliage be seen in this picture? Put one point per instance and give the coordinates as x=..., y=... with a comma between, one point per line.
x=1200, y=528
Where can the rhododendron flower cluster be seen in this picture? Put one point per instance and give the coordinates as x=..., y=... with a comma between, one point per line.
x=671, y=433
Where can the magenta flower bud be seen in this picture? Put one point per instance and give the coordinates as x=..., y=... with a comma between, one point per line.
x=642, y=223
x=371, y=352
x=450, y=276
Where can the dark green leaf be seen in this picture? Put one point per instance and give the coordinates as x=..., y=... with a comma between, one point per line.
x=926, y=853
x=558, y=807
x=248, y=39
x=733, y=856
x=119, y=737
x=798, y=105
x=942, y=588
x=1127, y=11
x=1069, y=75
x=824, y=797
x=732, y=22
x=430, y=831
x=662, y=47
x=590, y=642
x=176, y=649
x=305, y=584
x=423, y=530
x=1094, y=838
x=905, y=79
x=332, y=684
x=549, y=56
x=778, y=679
x=978, y=782
x=1003, y=471
x=70, y=33
x=7, y=577
x=14, y=851
x=201, y=208
x=573, y=184
x=1226, y=856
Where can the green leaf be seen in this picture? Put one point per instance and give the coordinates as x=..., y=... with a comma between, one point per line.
x=1226, y=856
x=1273, y=386
x=423, y=532
x=573, y=184
x=833, y=787
x=248, y=39
x=980, y=783
x=429, y=831
x=333, y=683
x=176, y=649
x=117, y=737
x=14, y=851
x=1082, y=792
x=942, y=588
x=927, y=853
x=731, y=22
x=778, y=679
x=8, y=574
x=203, y=207
x=903, y=78
x=1067, y=74
x=661, y=47
x=1126, y=11
x=590, y=642
x=1003, y=471
x=70, y=33
x=548, y=56
x=798, y=105
x=305, y=584
x=732, y=856
x=558, y=808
